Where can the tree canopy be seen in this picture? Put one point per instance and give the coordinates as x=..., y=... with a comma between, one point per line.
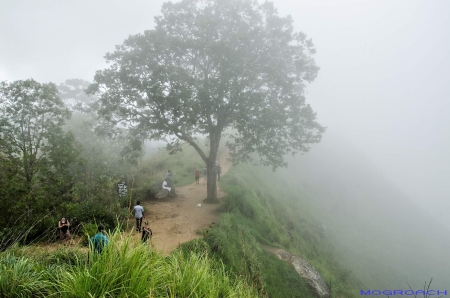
x=31, y=128
x=36, y=155
x=210, y=67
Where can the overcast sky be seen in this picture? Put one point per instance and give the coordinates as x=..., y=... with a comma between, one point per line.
x=383, y=85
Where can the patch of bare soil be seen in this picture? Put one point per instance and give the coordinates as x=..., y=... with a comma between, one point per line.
x=181, y=218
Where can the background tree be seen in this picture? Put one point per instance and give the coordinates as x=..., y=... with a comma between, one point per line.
x=36, y=155
x=73, y=95
x=210, y=65
x=109, y=155
x=108, y=151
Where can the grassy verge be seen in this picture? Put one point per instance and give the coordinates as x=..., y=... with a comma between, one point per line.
x=124, y=269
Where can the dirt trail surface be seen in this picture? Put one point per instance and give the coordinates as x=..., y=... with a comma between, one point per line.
x=179, y=219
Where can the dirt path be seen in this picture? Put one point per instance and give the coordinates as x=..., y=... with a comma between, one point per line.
x=179, y=219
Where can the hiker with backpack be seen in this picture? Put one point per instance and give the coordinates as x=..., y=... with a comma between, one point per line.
x=63, y=226
x=99, y=241
x=138, y=211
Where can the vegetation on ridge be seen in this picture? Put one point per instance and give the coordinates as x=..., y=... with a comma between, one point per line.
x=214, y=67
x=124, y=269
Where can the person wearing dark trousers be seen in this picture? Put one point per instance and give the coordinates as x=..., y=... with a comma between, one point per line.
x=63, y=226
x=218, y=171
x=146, y=232
x=138, y=214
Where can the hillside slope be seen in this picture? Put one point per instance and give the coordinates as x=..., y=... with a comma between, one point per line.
x=330, y=207
x=380, y=234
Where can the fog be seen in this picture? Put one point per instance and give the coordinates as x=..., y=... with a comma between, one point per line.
x=382, y=86
x=377, y=232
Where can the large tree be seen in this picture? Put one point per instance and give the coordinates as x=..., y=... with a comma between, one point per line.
x=210, y=67
x=35, y=153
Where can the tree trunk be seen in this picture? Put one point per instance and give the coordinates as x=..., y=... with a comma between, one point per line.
x=211, y=183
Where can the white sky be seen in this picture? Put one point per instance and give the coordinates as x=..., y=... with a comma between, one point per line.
x=383, y=84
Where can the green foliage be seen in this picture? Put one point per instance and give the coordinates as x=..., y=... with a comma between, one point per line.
x=261, y=208
x=89, y=230
x=124, y=269
x=37, y=158
x=19, y=277
x=74, y=97
x=281, y=279
x=181, y=164
x=49, y=258
x=91, y=211
x=209, y=66
x=235, y=202
x=232, y=241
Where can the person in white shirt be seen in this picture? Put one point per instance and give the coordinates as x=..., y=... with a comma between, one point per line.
x=166, y=186
x=138, y=214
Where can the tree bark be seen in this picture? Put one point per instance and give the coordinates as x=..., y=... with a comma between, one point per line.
x=211, y=183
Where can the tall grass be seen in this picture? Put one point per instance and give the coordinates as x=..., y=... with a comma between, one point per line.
x=21, y=277
x=126, y=268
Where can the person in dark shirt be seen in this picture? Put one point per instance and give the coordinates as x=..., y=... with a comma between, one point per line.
x=218, y=171
x=146, y=233
x=63, y=226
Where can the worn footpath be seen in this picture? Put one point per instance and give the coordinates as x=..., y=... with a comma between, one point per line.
x=181, y=218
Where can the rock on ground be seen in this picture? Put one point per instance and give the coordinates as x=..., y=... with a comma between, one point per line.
x=306, y=271
x=162, y=194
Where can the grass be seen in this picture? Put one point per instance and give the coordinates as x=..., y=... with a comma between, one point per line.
x=21, y=277
x=260, y=209
x=124, y=269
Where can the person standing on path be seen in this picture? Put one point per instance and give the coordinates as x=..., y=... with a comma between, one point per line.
x=218, y=171
x=138, y=211
x=197, y=176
